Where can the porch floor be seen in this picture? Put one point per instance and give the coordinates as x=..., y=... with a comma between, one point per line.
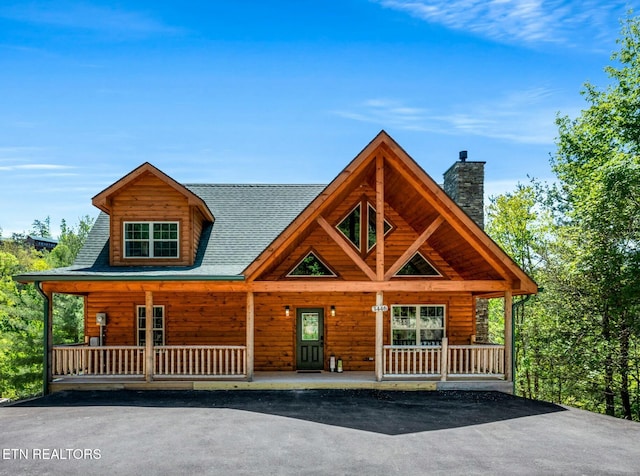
x=281, y=381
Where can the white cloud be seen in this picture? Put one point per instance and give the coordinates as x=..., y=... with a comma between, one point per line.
x=84, y=16
x=574, y=22
x=10, y=168
x=524, y=116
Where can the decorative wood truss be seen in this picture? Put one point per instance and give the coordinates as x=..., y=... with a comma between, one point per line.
x=401, y=184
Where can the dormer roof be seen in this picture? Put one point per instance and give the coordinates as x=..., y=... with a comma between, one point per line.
x=103, y=199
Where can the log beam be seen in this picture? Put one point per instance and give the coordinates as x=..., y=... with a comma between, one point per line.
x=415, y=246
x=379, y=218
x=348, y=250
x=488, y=287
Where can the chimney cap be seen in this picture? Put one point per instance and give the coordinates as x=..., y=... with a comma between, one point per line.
x=463, y=155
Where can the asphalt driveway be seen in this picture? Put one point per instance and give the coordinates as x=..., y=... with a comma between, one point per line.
x=310, y=432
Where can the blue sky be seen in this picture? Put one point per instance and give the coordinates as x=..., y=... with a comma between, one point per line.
x=281, y=91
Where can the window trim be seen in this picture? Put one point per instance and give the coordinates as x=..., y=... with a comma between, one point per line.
x=150, y=240
x=138, y=328
x=417, y=328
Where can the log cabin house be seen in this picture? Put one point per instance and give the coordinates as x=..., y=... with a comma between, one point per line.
x=378, y=273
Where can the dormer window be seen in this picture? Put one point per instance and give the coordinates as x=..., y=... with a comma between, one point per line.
x=151, y=240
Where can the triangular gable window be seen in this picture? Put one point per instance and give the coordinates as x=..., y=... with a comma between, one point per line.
x=356, y=221
x=350, y=226
x=372, y=227
x=311, y=266
x=418, y=266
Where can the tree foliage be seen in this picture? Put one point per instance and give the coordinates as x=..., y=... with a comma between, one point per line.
x=598, y=165
x=21, y=307
x=579, y=341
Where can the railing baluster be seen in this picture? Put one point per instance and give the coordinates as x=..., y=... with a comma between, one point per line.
x=429, y=360
x=171, y=360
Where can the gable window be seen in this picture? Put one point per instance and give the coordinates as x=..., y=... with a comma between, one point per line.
x=151, y=240
x=371, y=241
x=356, y=221
x=417, y=324
x=311, y=266
x=418, y=265
x=350, y=226
x=158, y=325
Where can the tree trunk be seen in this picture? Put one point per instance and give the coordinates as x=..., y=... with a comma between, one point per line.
x=608, y=364
x=625, y=333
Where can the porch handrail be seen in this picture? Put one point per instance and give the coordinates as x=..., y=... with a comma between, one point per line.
x=444, y=360
x=476, y=359
x=209, y=360
x=406, y=360
x=168, y=360
x=104, y=360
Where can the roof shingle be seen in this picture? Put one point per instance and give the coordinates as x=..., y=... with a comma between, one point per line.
x=248, y=217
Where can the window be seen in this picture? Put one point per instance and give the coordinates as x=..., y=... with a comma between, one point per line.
x=417, y=324
x=355, y=221
x=311, y=265
x=151, y=240
x=158, y=325
x=350, y=226
x=372, y=227
x=418, y=266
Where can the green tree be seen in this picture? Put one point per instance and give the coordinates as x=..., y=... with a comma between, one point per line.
x=21, y=310
x=42, y=227
x=520, y=226
x=21, y=328
x=598, y=166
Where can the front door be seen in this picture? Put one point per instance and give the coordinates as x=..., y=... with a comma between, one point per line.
x=310, y=339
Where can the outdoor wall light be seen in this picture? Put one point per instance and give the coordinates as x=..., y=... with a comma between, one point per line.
x=286, y=311
x=333, y=311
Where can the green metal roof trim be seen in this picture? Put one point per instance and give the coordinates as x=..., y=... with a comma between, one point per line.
x=248, y=219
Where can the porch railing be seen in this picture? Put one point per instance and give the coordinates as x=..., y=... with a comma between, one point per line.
x=82, y=360
x=412, y=360
x=130, y=360
x=470, y=360
x=444, y=361
x=201, y=360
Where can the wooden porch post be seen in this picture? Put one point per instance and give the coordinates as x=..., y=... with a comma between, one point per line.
x=444, y=359
x=379, y=265
x=379, y=336
x=148, y=328
x=508, y=336
x=49, y=339
x=250, y=335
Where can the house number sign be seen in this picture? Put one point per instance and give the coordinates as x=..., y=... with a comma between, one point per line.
x=380, y=307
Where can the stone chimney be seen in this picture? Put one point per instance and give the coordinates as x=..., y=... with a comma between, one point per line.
x=464, y=183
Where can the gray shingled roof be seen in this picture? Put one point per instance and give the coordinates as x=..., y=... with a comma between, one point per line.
x=247, y=219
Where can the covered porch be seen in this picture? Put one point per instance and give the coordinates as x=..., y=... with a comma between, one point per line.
x=433, y=366
x=225, y=367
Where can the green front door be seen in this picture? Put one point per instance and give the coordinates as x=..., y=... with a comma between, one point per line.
x=310, y=339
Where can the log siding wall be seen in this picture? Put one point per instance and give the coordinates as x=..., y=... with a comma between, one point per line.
x=190, y=318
